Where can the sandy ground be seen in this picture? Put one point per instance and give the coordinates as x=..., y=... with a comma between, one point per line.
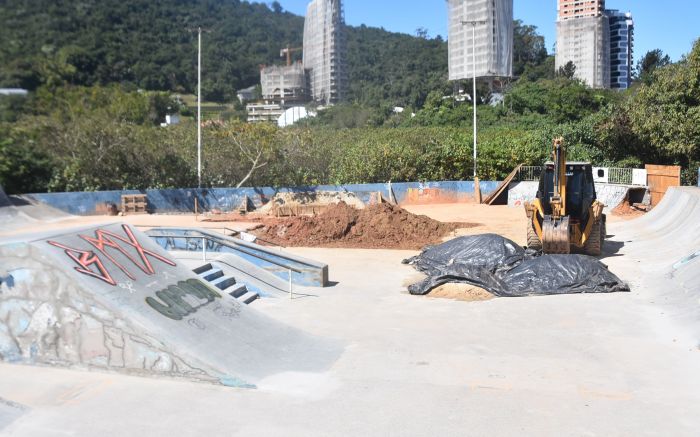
x=498, y=219
x=581, y=365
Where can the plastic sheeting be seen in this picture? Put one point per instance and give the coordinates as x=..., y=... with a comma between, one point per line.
x=505, y=269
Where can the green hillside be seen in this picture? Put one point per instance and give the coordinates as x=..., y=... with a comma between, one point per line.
x=148, y=44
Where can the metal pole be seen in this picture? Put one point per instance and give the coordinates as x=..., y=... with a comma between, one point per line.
x=204, y=249
x=199, y=108
x=291, y=290
x=474, y=87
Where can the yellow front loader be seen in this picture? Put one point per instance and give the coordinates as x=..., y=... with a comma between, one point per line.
x=565, y=216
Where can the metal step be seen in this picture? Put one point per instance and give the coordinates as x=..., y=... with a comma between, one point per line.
x=212, y=275
x=223, y=282
x=237, y=290
x=203, y=268
x=227, y=284
x=249, y=297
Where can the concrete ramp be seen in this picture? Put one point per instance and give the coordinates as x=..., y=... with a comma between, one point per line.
x=110, y=298
x=666, y=244
x=20, y=211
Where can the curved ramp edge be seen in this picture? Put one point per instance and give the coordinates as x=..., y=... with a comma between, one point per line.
x=665, y=245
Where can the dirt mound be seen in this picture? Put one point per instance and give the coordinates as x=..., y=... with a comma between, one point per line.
x=627, y=211
x=377, y=226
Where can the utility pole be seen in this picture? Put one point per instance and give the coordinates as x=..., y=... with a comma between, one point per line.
x=199, y=31
x=199, y=108
x=474, y=23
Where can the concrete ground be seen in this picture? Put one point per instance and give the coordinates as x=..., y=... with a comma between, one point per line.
x=556, y=365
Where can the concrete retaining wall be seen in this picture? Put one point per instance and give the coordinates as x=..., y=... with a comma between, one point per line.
x=229, y=199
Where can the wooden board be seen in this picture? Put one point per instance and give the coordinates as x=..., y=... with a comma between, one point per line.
x=659, y=178
x=502, y=187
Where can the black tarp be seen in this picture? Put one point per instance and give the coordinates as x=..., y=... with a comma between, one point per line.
x=505, y=269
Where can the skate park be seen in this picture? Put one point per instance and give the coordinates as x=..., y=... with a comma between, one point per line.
x=151, y=322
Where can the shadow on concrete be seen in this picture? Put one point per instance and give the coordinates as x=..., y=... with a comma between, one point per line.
x=611, y=247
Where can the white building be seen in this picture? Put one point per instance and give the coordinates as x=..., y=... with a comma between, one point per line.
x=324, y=51
x=583, y=35
x=493, y=42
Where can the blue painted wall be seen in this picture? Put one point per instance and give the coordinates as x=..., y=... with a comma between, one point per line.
x=181, y=200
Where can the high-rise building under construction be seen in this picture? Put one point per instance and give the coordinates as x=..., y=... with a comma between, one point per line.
x=492, y=42
x=597, y=41
x=583, y=39
x=325, y=51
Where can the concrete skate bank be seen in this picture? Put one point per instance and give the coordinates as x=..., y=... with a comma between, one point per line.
x=110, y=298
x=666, y=245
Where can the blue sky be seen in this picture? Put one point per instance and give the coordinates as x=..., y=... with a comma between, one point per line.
x=657, y=24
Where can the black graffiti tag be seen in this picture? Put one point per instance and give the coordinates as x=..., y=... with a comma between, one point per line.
x=174, y=306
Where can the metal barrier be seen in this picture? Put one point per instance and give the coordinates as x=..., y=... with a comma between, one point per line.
x=205, y=239
x=620, y=176
x=530, y=173
x=233, y=233
x=616, y=176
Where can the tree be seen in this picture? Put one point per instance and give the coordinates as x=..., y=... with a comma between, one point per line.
x=422, y=33
x=568, y=71
x=528, y=47
x=23, y=169
x=646, y=66
x=247, y=148
x=276, y=7
x=665, y=113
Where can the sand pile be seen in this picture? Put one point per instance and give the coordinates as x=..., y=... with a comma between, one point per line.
x=377, y=226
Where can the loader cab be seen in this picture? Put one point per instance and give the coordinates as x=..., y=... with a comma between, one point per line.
x=580, y=189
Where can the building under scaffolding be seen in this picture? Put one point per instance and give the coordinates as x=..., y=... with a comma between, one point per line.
x=325, y=51
x=493, y=42
x=284, y=85
x=583, y=38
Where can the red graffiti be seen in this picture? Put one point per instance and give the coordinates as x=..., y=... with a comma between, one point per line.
x=104, y=239
x=85, y=260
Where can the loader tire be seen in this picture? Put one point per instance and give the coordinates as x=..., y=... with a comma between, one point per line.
x=594, y=242
x=533, y=241
x=604, y=232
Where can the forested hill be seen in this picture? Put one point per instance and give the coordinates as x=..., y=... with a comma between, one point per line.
x=148, y=44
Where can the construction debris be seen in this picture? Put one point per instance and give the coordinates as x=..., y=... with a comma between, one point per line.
x=308, y=203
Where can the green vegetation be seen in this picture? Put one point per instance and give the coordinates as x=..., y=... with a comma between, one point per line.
x=150, y=44
x=102, y=76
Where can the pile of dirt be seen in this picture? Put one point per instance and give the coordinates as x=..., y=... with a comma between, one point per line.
x=628, y=211
x=377, y=226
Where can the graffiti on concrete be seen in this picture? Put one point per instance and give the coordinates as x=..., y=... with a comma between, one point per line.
x=128, y=286
x=92, y=265
x=172, y=301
